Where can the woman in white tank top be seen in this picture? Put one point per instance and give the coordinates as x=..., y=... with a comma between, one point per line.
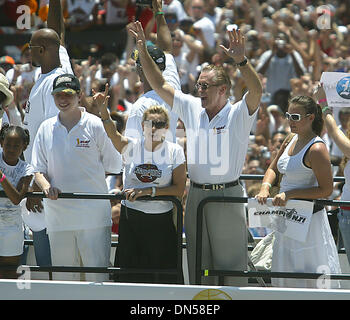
x=306, y=169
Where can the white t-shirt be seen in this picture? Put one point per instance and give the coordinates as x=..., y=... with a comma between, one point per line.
x=216, y=150
x=144, y=169
x=208, y=29
x=10, y=214
x=76, y=161
x=176, y=7
x=280, y=70
x=115, y=14
x=133, y=127
x=41, y=105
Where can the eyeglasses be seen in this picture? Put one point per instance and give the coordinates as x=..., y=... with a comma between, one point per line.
x=197, y=7
x=156, y=124
x=205, y=86
x=295, y=116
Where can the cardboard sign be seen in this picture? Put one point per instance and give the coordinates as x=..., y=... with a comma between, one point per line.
x=293, y=220
x=337, y=88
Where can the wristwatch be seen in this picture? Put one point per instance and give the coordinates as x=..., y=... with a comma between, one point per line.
x=243, y=63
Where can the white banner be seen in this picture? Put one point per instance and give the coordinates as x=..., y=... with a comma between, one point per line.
x=293, y=220
x=337, y=88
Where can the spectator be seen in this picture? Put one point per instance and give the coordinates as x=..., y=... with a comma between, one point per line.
x=213, y=104
x=277, y=119
x=202, y=23
x=48, y=52
x=176, y=7
x=147, y=235
x=78, y=227
x=335, y=152
x=307, y=174
x=16, y=176
x=280, y=64
x=116, y=12
x=22, y=78
x=184, y=56
x=6, y=95
x=82, y=14
x=166, y=63
x=7, y=63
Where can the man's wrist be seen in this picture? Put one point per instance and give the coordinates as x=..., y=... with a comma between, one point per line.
x=241, y=62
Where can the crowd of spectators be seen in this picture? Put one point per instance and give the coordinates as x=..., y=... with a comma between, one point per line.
x=289, y=43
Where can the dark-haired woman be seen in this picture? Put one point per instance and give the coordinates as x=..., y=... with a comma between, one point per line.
x=15, y=177
x=307, y=174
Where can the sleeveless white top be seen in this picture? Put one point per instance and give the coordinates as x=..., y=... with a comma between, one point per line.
x=295, y=173
x=318, y=253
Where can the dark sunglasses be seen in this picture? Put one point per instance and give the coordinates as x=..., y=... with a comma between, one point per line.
x=157, y=124
x=295, y=116
x=205, y=86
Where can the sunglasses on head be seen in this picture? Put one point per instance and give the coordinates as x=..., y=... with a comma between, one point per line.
x=295, y=116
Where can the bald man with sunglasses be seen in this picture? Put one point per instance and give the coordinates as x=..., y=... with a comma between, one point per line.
x=217, y=141
x=48, y=52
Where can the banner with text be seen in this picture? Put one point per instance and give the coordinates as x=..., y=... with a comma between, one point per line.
x=337, y=88
x=293, y=220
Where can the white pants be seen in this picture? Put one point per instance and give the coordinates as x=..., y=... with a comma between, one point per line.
x=89, y=248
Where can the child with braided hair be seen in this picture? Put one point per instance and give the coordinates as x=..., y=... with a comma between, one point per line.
x=15, y=177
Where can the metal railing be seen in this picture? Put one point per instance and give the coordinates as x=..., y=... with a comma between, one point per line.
x=114, y=270
x=244, y=273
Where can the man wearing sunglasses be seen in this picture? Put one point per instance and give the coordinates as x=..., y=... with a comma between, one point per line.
x=47, y=51
x=212, y=123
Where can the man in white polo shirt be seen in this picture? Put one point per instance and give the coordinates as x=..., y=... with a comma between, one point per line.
x=72, y=153
x=217, y=141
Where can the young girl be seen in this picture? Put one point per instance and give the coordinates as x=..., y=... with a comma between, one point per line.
x=15, y=177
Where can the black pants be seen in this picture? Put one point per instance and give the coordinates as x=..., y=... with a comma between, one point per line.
x=146, y=241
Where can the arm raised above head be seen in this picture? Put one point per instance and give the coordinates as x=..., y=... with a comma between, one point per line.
x=55, y=19
x=236, y=52
x=164, y=40
x=149, y=68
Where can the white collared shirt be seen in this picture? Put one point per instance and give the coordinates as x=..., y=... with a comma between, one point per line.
x=133, y=127
x=216, y=149
x=41, y=105
x=76, y=161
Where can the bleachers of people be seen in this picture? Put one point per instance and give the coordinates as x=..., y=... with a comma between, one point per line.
x=288, y=43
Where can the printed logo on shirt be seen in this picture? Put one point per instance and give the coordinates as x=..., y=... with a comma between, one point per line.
x=83, y=143
x=219, y=129
x=147, y=172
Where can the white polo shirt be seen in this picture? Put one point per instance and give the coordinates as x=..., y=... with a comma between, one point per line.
x=216, y=150
x=41, y=105
x=133, y=127
x=76, y=161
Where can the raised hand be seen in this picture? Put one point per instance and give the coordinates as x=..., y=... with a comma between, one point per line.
x=101, y=99
x=136, y=30
x=236, y=49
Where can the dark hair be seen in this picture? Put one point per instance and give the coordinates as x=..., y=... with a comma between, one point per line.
x=311, y=107
x=275, y=133
x=6, y=129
